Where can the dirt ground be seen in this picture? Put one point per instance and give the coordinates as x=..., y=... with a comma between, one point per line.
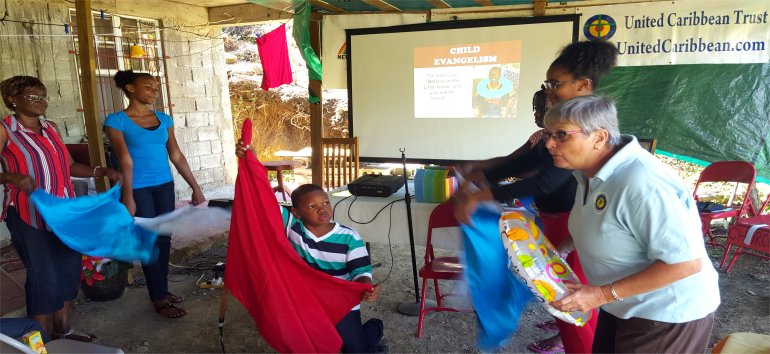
x=130, y=323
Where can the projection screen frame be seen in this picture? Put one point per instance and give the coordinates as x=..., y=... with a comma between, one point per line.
x=433, y=26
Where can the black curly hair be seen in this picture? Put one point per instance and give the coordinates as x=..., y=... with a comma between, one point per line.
x=588, y=59
x=539, y=95
x=124, y=78
x=301, y=191
x=14, y=86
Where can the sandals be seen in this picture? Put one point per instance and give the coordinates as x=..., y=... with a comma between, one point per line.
x=548, y=326
x=539, y=347
x=170, y=310
x=77, y=336
x=174, y=299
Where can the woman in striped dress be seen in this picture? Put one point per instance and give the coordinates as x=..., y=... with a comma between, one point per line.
x=33, y=156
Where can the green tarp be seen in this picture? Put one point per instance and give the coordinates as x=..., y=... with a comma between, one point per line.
x=700, y=113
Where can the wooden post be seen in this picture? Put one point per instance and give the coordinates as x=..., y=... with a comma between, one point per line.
x=316, y=112
x=539, y=7
x=88, y=87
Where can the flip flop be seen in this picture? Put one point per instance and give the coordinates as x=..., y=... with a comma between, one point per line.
x=170, y=310
x=548, y=326
x=537, y=348
x=76, y=335
x=174, y=299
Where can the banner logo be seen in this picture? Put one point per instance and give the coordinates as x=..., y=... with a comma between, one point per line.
x=343, y=52
x=599, y=27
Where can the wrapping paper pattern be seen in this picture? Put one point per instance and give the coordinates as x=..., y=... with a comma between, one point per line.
x=534, y=260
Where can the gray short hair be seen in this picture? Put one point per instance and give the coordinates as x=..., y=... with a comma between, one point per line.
x=590, y=113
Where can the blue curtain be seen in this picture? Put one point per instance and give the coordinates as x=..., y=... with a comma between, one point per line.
x=97, y=225
x=497, y=295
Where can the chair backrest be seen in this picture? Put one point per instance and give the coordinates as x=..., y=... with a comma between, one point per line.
x=731, y=171
x=340, y=161
x=442, y=216
x=648, y=144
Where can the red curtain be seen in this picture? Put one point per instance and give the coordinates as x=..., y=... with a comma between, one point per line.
x=295, y=306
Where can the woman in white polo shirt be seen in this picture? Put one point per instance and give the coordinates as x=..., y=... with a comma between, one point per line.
x=637, y=230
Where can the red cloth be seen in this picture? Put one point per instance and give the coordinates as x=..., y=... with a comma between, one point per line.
x=575, y=339
x=295, y=306
x=274, y=55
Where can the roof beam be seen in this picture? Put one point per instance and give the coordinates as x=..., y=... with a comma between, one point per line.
x=485, y=2
x=439, y=4
x=243, y=14
x=327, y=6
x=382, y=5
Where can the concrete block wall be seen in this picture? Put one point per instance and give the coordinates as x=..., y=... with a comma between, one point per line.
x=44, y=51
x=198, y=86
x=199, y=90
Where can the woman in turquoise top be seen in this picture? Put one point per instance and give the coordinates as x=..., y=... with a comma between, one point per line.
x=144, y=142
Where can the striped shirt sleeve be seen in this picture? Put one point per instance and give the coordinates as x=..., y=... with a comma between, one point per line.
x=358, y=262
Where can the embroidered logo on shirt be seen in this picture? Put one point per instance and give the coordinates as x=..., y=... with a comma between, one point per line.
x=600, y=203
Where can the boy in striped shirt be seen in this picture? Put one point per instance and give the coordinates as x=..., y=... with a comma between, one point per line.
x=336, y=250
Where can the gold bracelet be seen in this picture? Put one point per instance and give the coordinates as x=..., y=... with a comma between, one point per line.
x=614, y=294
x=96, y=168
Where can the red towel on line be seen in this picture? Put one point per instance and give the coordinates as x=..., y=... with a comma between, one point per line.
x=274, y=55
x=295, y=306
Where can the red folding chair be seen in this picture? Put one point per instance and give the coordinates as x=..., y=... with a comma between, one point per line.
x=751, y=236
x=438, y=268
x=726, y=171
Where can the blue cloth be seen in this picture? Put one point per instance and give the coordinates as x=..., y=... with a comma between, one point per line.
x=497, y=295
x=147, y=148
x=528, y=202
x=96, y=225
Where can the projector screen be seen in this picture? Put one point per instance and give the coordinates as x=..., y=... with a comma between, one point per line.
x=450, y=91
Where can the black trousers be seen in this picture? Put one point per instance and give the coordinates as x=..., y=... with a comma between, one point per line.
x=638, y=335
x=357, y=337
x=151, y=202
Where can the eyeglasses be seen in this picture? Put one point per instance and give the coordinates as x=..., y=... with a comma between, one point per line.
x=561, y=135
x=553, y=85
x=36, y=98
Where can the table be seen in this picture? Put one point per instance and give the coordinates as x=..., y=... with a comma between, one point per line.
x=364, y=209
x=279, y=167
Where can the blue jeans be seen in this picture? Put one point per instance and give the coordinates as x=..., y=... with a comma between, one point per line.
x=18, y=327
x=53, y=269
x=151, y=202
x=357, y=337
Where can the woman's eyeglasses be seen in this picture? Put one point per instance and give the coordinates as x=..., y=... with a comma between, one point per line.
x=36, y=98
x=553, y=85
x=561, y=135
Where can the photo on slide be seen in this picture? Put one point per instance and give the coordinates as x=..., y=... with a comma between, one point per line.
x=478, y=80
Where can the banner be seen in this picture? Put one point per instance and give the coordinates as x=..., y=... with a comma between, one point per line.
x=334, y=53
x=682, y=32
x=695, y=75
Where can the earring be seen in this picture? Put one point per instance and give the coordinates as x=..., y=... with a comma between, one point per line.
x=13, y=104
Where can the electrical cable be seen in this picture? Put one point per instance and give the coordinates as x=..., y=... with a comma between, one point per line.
x=390, y=226
x=375, y=215
x=390, y=246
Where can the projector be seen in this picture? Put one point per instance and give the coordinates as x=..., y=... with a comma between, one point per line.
x=375, y=185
